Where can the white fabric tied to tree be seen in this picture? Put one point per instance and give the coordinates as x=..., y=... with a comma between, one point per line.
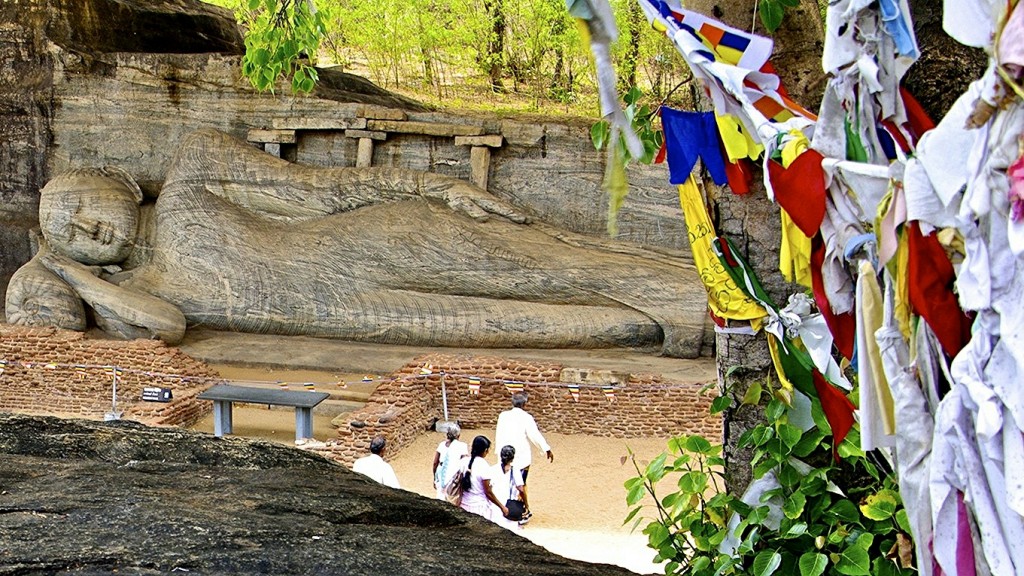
x=960, y=459
x=597, y=14
x=797, y=321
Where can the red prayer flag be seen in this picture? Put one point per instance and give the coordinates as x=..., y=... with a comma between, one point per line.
x=837, y=408
x=800, y=190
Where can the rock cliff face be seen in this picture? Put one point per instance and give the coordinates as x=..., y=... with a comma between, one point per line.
x=160, y=26
x=81, y=497
x=33, y=35
x=121, y=82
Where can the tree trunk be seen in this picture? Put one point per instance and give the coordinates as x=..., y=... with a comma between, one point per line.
x=496, y=42
x=634, y=23
x=945, y=68
x=752, y=222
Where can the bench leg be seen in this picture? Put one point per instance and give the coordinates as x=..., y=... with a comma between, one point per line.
x=303, y=423
x=221, y=417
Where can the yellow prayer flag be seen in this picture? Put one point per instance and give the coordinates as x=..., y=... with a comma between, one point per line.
x=794, y=253
x=725, y=299
x=737, y=141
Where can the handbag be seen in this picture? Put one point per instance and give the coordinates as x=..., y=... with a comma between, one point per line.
x=515, y=507
x=453, y=491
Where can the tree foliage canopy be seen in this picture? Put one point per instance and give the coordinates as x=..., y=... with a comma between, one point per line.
x=433, y=46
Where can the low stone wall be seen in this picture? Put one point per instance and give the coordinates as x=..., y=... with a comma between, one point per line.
x=402, y=408
x=51, y=371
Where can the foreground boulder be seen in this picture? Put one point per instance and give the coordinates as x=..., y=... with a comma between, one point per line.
x=84, y=497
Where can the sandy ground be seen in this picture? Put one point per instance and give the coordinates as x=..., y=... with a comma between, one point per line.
x=578, y=500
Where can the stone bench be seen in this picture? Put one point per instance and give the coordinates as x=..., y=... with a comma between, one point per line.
x=223, y=395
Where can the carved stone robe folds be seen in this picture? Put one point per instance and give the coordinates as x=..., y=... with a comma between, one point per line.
x=247, y=242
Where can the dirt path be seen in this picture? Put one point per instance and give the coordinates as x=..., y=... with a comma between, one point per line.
x=578, y=501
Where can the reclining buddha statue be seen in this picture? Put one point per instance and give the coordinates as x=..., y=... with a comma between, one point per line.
x=239, y=240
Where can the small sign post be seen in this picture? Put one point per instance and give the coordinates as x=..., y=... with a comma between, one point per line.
x=155, y=394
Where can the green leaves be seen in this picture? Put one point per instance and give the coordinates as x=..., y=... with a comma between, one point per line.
x=811, y=520
x=794, y=505
x=635, y=490
x=771, y=12
x=720, y=403
x=812, y=564
x=699, y=445
x=790, y=435
x=641, y=118
x=880, y=505
x=845, y=511
x=854, y=561
x=281, y=43
x=767, y=562
x=599, y=133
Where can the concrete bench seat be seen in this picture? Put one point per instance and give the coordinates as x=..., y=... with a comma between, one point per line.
x=223, y=395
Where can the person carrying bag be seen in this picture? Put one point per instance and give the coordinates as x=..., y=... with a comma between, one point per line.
x=516, y=504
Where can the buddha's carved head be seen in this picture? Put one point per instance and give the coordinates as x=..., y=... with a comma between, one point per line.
x=91, y=214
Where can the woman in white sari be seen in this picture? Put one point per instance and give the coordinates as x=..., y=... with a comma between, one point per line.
x=477, y=495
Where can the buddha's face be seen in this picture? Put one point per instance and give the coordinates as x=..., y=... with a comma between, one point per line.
x=90, y=215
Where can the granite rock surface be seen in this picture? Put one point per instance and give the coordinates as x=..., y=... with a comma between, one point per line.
x=85, y=497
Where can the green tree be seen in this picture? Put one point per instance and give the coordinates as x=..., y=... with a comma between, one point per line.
x=282, y=42
x=806, y=520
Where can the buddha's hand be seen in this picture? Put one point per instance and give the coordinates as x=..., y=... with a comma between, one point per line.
x=472, y=201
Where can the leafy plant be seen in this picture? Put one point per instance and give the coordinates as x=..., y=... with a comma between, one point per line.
x=641, y=117
x=810, y=516
x=281, y=42
x=772, y=12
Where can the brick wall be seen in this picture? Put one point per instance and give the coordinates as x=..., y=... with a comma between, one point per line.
x=401, y=409
x=29, y=385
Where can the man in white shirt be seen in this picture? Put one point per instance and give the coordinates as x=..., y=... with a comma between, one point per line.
x=517, y=428
x=374, y=466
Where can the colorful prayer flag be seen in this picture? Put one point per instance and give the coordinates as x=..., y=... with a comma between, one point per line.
x=474, y=385
x=723, y=43
x=427, y=370
x=513, y=387
x=690, y=136
x=309, y=386
x=609, y=392
x=731, y=64
x=797, y=366
x=574, y=391
x=725, y=299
